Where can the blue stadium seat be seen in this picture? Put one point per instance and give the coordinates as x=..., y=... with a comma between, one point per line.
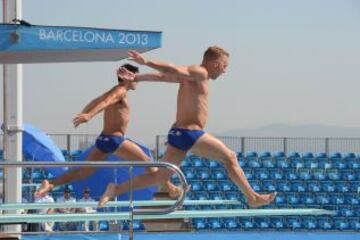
x=293, y=223
x=283, y=186
x=253, y=163
x=231, y=195
x=313, y=186
x=263, y=223
x=310, y=223
x=347, y=212
x=137, y=225
x=241, y=159
x=348, y=175
x=341, y=224
x=262, y=174
x=247, y=223
x=103, y=225
x=219, y=174
x=269, y=186
x=337, y=161
x=227, y=186
x=298, y=186
x=355, y=224
x=328, y=186
x=305, y=174
x=310, y=162
x=231, y=223
x=196, y=186
x=325, y=224
x=337, y=199
x=333, y=174
x=321, y=155
x=75, y=154
x=186, y=162
x=277, y=223
x=198, y=162
x=213, y=164
x=190, y=174
x=308, y=155
x=266, y=160
x=322, y=199
x=353, y=163
x=295, y=160
x=251, y=156
x=282, y=162
x=342, y=187
x=319, y=174
x=265, y=155
x=355, y=186
x=291, y=174
x=280, y=199
x=249, y=173
x=210, y=186
x=201, y=195
x=255, y=185
x=276, y=174
x=204, y=174
x=216, y=195
x=292, y=199
x=307, y=199
x=199, y=223
x=352, y=199
x=37, y=175
x=215, y=223
x=66, y=153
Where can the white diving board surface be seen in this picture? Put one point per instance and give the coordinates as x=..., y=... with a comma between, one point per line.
x=16, y=206
x=36, y=218
x=45, y=44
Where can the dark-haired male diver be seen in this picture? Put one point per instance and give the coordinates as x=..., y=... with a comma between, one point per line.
x=187, y=133
x=116, y=107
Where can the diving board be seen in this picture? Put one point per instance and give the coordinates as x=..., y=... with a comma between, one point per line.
x=36, y=218
x=44, y=44
x=16, y=206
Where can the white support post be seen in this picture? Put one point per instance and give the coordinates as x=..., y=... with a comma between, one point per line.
x=13, y=119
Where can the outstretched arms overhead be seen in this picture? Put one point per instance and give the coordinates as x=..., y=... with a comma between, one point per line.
x=99, y=104
x=176, y=73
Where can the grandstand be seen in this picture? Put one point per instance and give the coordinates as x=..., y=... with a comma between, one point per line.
x=303, y=178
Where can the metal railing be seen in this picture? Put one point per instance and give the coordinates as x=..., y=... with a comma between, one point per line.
x=280, y=144
x=73, y=142
x=148, y=211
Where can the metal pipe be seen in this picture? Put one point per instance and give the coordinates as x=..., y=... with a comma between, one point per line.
x=178, y=203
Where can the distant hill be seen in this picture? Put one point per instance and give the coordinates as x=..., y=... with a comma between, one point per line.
x=284, y=130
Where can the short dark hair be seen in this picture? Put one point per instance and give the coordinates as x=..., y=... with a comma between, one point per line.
x=129, y=67
x=86, y=190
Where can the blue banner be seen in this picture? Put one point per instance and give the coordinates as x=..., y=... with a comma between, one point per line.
x=20, y=43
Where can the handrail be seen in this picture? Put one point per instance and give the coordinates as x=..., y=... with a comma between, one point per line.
x=149, y=211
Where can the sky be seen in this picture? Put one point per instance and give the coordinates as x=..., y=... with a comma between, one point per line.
x=291, y=62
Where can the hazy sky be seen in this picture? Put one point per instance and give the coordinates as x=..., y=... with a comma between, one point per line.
x=293, y=62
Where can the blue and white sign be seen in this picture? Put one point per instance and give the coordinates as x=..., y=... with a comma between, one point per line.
x=28, y=44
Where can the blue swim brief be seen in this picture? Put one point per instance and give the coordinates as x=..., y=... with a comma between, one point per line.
x=182, y=138
x=108, y=143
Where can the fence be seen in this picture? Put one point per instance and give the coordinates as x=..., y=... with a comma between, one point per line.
x=277, y=144
x=71, y=142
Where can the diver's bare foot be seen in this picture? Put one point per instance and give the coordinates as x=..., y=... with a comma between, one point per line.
x=261, y=200
x=45, y=187
x=174, y=192
x=109, y=194
x=153, y=169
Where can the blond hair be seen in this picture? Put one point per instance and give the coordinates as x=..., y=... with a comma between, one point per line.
x=214, y=52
